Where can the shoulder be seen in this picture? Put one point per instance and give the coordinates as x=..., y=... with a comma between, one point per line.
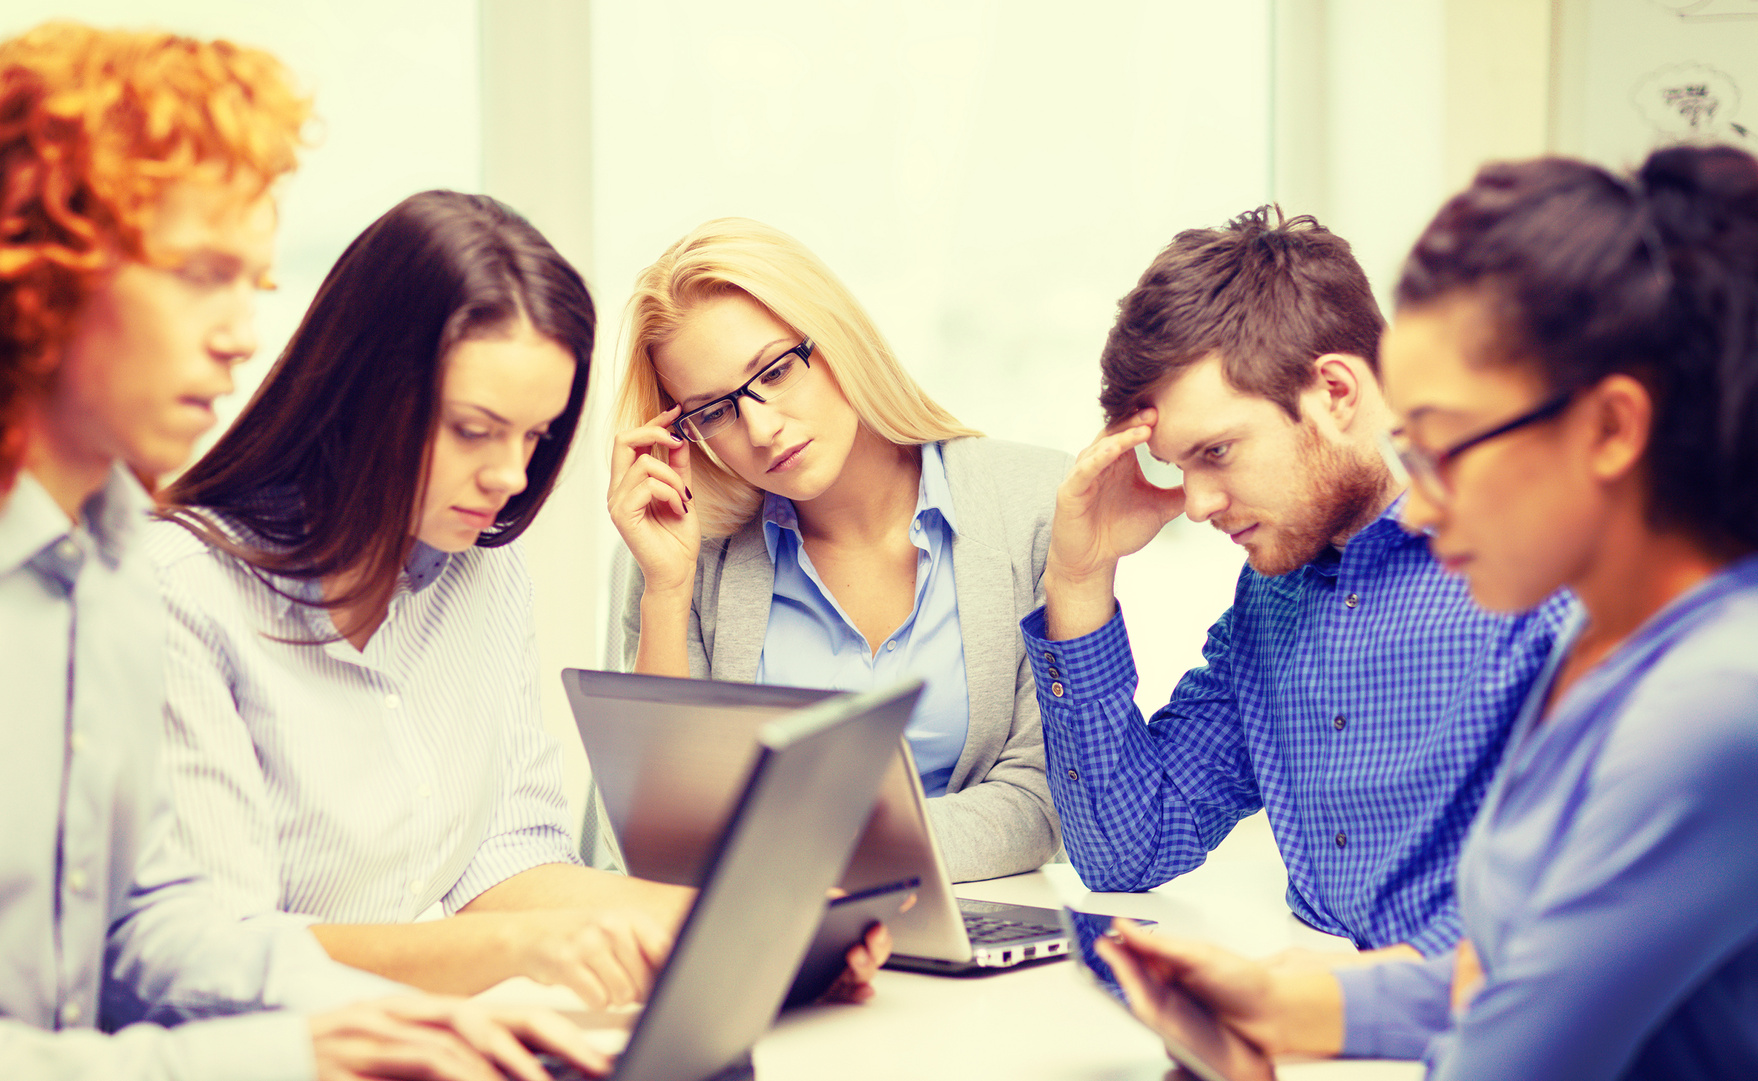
x=169, y=544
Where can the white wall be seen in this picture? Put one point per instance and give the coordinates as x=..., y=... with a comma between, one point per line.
x=987, y=177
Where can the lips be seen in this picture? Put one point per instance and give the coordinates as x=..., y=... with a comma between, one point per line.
x=787, y=461
x=481, y=519
x=1241, y=536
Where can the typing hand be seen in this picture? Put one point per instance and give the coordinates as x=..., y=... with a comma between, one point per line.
x=607, y=956
x=1105, y=510
x=432, y=1038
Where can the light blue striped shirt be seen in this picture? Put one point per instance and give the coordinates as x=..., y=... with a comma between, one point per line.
x=811, y=642
x=358, y=786
x=87, y=867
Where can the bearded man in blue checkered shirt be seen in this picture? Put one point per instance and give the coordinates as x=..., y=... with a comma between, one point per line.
x=1353, y=690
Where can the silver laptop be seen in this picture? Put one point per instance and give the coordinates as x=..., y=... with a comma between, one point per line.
x=765, y=873
x=667, y=755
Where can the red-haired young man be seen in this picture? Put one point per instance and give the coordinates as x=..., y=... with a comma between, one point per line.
x=136, y=222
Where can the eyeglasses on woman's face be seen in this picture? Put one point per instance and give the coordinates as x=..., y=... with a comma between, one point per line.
x=777, y=378
x=1428, y=470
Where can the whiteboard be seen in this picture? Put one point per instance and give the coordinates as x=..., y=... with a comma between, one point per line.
x=1632, y=75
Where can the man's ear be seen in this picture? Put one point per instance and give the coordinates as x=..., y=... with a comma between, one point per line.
x=1343, y=380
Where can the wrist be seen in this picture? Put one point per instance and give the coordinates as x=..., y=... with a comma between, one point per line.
x=1308, y=1005
x=1077, y=605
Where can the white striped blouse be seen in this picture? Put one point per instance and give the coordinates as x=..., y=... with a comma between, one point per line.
x=357, y=786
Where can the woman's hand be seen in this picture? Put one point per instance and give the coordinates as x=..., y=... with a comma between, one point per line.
x=444, y=1039
x=1274, y=1010
x=608, y=956
x=649, y=503
x=864, y=958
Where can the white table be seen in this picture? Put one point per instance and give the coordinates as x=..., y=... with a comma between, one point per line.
x=1047, y=1022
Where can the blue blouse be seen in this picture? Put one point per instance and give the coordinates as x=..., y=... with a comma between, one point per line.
x=1610, y=882
x=811, y=642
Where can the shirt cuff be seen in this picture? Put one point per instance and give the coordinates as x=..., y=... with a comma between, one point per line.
x=1393, y=1009
x=1091, y=666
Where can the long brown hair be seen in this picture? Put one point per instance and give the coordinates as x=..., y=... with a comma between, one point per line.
x=323, y=471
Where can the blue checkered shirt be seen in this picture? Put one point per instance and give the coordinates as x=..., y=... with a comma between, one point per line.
x=1363, y=699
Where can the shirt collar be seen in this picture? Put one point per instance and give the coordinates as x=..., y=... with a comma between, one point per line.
x=1373, y=541
x=31, y=520
x=934, y=493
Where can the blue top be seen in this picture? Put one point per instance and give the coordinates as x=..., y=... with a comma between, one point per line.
x=1363, y=699
x=811, y=642
x=1610, y=883
x=101, y=923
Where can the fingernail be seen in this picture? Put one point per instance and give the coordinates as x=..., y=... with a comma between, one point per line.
x=688, y=495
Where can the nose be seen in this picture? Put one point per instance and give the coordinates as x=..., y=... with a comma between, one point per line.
x=1203, y=499
x=1420, y=514
x=762, y=422
x=233, y=339
x=504, y=473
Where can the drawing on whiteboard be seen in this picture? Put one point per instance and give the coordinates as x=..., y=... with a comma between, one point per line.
x=1712, y=9
x=1690, y=101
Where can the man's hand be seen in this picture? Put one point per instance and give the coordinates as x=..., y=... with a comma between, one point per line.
x=864, y=958
x=444, y=1039
x=1272, y=1010
x=1105, y=510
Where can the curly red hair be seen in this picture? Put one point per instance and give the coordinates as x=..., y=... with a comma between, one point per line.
x=94, y=125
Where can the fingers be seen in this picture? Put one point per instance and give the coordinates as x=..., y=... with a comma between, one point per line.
x=1105, y=451
x=648, y=482
x=549, y=1031
x=396, y=1038
x=1137, y=986
x=631, y=443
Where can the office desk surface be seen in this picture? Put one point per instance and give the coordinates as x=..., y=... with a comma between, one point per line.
x=1043, y=1022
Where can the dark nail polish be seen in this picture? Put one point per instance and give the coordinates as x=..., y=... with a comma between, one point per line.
x=688, y=495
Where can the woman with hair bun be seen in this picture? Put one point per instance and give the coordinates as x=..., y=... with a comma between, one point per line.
x=1575, y=362
x=796, y=505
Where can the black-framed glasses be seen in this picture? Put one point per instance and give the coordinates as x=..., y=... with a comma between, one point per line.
x=1427, y=470
x=776, y=378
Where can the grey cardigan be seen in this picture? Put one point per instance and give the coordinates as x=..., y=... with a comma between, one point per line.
x=997, y=818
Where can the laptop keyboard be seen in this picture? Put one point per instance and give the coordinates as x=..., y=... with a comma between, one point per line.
x=988, y=931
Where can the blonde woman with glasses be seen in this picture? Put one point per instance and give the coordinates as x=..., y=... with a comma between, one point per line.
x=800, y=512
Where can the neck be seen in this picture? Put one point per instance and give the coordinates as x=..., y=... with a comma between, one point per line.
x=876, y=489
x=69, y=473
x=1633, y=573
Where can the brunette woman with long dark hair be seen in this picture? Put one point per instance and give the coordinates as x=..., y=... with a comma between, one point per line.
x=1575, y=364
x=353, y=706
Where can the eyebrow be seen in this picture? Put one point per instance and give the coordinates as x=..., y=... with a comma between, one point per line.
x=750, y=369
x=483, y=409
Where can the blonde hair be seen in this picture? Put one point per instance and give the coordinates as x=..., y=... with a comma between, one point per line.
x=779, y=273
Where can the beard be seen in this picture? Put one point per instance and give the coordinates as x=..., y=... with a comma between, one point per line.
x=1344, y=488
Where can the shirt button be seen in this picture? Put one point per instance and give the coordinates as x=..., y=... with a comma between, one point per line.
x=1051, y=657
x=1352, y=600
x=1340, y=722
x=71, y=1013
x=76, y=880
x=1056, y=689
x=392, y=701
x=1054, y=673
x=1342, y=840
x=889, y=646
x=425, y=791
x=68, y=550
x=1074, y=775
x=77, y=742
x=415, y=887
